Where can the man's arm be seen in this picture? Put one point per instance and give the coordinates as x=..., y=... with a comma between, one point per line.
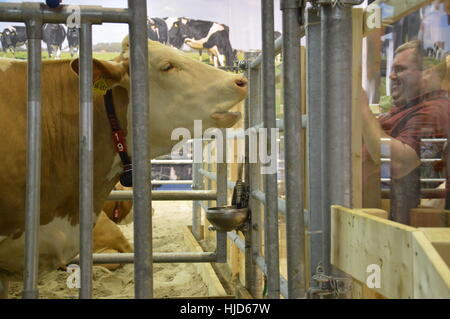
x=403, y=157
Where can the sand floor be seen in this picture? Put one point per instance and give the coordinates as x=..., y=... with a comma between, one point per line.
x=169, y=280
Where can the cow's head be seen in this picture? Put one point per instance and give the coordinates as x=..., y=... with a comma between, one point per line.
x=182, y=90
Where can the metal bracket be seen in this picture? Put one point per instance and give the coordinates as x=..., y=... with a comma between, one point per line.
x=300, y=5
x=340, y=3
x=328, y=285
x=32, y=14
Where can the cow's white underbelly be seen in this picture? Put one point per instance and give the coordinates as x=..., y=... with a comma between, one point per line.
x=58, y=245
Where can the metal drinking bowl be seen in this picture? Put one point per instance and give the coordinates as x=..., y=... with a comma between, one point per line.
x=227, y=218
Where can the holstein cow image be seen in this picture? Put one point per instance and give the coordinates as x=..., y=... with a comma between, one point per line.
x=212, y=36
x=182, y=90
x=73, y=39
x=157, y=30
x=198, y=34
x=13, y=37
x=53, y=35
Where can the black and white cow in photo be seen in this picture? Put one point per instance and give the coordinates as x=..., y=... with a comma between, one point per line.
x=54, y=35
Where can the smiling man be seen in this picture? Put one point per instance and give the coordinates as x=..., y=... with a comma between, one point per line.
x=420, y=111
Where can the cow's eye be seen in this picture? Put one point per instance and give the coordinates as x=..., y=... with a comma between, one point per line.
x=167, y=67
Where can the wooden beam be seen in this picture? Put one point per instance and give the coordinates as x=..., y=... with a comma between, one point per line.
x=440, y=239
x=409, y=263
x=431, y=273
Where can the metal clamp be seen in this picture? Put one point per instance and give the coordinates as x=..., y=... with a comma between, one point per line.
x=328, y=285
x=340, y=3
x=32, y=14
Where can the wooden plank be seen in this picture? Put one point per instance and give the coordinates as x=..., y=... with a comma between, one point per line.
x=429, y=217
x=376, y=212
x=440, y=239
x=357, y=26
x=431, y=273
x=359, y=240
x=410, y=265
x=205, y=270
x=399, y=9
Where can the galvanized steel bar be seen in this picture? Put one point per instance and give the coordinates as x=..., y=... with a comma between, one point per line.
x=142, y=208
x=248, y=244
x=256, y=222
x=295, y=226
x=86, y=187
x=33, y=185
x=314, y=140
x=13, y=12
x=167, y=195
x=213, y=176
x=261, y=197
x=172, y=257
x=222, y=191
x=336, y=109
x=270, y=179
x=196, y=209
x=171, y=162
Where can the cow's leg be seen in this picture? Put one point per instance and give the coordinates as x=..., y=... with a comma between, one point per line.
x=4, y=284
x=58, y=53
x=200, y=52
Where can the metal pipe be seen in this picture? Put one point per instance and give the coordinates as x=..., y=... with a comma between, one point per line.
x=86, y=186
x=222, y=191
x=213, y=176
x=13, y=12
x=143, y=269
x=171, y=162
x=166, y=195
x=255, y=182
x=196, y=210
x=314, y=129
x=172, y=257
x=270, y=178
x=261, y=196
x=170, y=182
x=248, y=245
x=336, y=75
x=33, y=184
x=295, y=226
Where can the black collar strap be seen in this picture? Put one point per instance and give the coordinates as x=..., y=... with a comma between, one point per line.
x=126, y=178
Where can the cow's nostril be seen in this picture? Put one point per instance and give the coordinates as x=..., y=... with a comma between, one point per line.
x=241, y=83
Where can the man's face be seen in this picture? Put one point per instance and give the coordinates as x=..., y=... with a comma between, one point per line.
x=406, y=77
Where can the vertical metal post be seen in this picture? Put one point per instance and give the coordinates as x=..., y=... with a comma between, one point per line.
x=315, y=125
x=255, y=206
x=295, y=224
x=33, y=187
x=270, y=180
x=86, y=160
x=143, y=268
x=197, y=184
x=222, y=191
x=336, y=110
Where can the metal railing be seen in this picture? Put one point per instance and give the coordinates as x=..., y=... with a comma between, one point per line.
x=34, y=15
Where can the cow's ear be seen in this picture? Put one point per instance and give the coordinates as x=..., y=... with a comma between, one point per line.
x=111, y=71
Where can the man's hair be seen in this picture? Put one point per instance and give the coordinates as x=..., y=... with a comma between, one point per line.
x=417, y=53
